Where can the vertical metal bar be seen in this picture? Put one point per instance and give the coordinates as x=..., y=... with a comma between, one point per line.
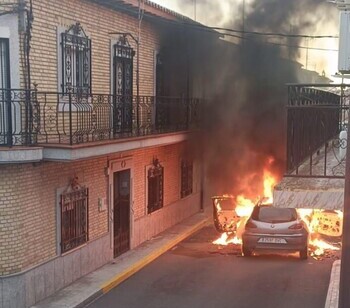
x=114, y=96
x=62, y=224
x=87, y=213
x=341, y=105
x=344, y=294
x=309, y=144
x=298, y=137
x=70, y=116
x=188, y=79
x=9, y=117
x=7, y=95
x=138, y=91
x=90, y=66
x=138, y=67
x=326, y=137
x=30, y=117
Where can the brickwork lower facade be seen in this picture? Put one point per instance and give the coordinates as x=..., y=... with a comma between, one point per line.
x=30, y=225
x=57, y=218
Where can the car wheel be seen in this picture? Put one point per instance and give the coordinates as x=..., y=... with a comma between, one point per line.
x=303, y=254
x=246, y=252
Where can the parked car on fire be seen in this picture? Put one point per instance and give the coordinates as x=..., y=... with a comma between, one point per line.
x=275, y=229
x=224, y=213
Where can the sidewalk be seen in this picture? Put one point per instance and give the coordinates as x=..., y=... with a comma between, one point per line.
x=333, y=289
x=99, y=282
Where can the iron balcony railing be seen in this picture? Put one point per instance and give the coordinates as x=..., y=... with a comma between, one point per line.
x=317, y=117
x=34, y=117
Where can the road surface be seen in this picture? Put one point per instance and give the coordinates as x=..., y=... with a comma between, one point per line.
x=197, y=273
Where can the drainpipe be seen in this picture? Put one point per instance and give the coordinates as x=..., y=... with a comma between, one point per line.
x=140, y=16
x=344, y=67
x=344, y=295
x=21, y=17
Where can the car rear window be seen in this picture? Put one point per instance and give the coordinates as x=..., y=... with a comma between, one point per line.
x=274, y=215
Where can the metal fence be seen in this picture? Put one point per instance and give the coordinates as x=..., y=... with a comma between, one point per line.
x=19, y=117
x=316, y=116
x=33, y=117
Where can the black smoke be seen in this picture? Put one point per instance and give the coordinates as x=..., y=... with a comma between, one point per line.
x=244, y=84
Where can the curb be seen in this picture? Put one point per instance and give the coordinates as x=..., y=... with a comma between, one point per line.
x=118, y=279
x=333, y=289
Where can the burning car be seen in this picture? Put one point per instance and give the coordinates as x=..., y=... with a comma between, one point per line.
x=319, y=230
x=224, y=214
x=275, y=229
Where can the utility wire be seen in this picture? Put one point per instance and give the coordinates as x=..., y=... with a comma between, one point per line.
x=264, y=33
x=214, y=30
x=302, y=47
x=272, y=43
x=200, y=26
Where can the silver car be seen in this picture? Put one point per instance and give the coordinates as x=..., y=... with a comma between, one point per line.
x=275, y=229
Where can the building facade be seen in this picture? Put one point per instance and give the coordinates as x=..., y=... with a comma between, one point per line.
x=94, y=156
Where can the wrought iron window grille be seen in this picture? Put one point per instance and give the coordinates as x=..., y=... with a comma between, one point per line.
x=123, y=48
x=186, y=178
x=76, y=61
x=155, y=179
x=74, y=204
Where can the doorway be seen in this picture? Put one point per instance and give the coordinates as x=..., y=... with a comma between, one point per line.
x=121, y=212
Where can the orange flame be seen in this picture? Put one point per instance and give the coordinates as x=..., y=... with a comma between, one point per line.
x=225, y=239
x=269, y=183
x=245, y=206
x=313, y=219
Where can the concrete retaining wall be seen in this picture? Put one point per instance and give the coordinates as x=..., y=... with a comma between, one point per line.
x=27, y=288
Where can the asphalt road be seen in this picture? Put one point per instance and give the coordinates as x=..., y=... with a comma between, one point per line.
x=197, y=273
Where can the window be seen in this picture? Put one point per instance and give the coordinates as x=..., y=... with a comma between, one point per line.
x=155, y=178
x=76, y=60
x=74, y=217
x=4, y=64
x=186, y=178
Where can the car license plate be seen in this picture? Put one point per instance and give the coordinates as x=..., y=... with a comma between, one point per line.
x=272, y=240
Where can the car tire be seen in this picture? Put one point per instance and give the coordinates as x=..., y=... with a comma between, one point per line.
x=246, y=252
x=303, y=254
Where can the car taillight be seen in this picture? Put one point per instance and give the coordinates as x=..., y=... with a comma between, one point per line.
x=297, y=226
x=250, y=225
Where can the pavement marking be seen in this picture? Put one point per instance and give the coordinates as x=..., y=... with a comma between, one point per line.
x=116, y=280
x=333, y=288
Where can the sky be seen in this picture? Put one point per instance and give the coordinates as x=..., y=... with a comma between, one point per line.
x=227, y=11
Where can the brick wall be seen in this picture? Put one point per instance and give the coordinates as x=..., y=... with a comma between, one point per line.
x=29, y=201
x=11, y=223
x=169, y=158
x=97, y=22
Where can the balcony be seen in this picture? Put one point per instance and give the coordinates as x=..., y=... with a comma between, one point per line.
x=55, y=121
x=317, y=117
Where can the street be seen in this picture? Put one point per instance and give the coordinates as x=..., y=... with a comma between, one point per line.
x=197, y=273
